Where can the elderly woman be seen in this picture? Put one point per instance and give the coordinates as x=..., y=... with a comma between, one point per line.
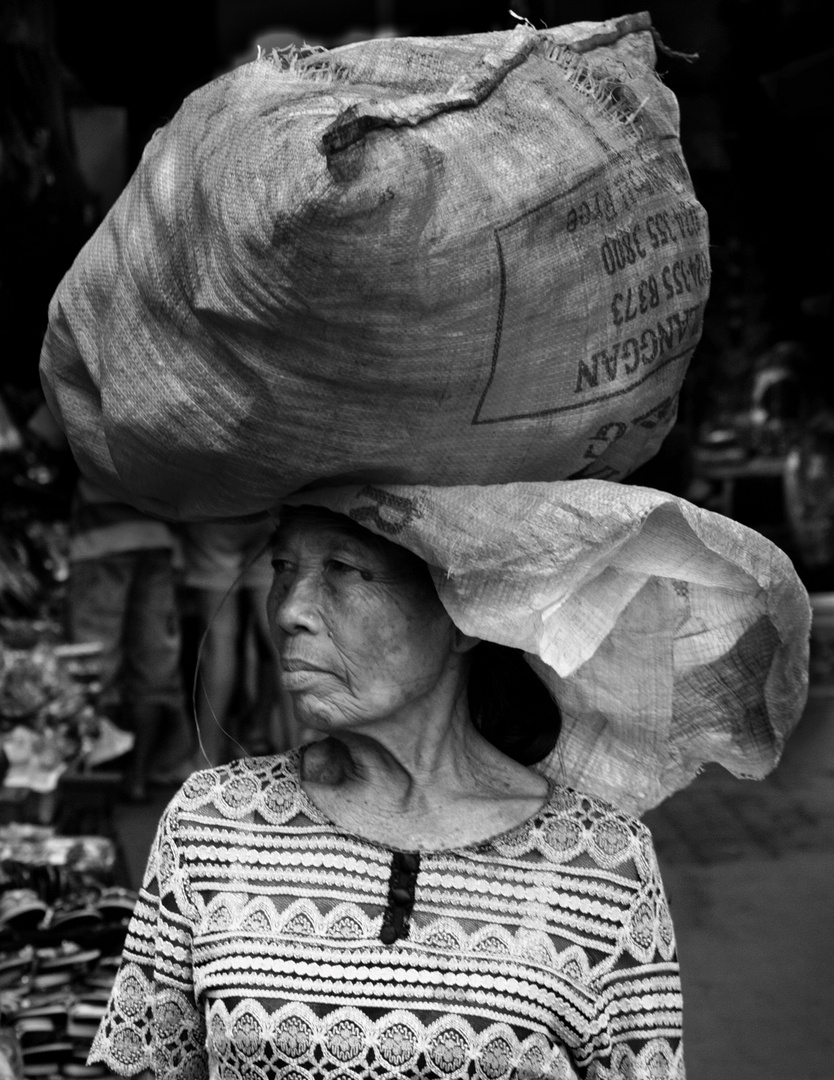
x=404, y=897
x=452, y=272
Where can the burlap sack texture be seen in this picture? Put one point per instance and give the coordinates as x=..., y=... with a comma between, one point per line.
x=459, y=260
x=670, y=636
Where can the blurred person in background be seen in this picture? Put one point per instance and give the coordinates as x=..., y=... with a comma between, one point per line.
x=226, y=578
x=121, y=594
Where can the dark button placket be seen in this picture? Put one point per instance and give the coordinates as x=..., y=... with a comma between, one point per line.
x=402, y=884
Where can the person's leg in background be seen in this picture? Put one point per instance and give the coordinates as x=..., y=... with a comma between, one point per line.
x=95, y=607
x=214, y=559
x=153, y=691
x=227, y=575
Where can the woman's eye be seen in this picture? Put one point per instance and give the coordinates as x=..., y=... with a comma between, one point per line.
x=339, y=567
x=280, y=565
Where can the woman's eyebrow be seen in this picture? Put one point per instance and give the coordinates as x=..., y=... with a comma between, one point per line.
x=342, y=544
x=348, y=546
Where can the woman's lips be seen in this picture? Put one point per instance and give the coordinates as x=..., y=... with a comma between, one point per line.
x=300, y=665
x=299, y=674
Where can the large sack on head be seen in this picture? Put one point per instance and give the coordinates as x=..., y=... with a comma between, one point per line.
x=471, y=259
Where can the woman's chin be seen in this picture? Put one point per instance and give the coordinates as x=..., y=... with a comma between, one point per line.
x=328, y=720
x=312, y=714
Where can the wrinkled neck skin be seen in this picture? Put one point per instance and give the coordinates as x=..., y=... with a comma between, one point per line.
x=422, y=779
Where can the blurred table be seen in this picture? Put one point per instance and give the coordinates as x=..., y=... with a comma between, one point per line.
x=727, y=474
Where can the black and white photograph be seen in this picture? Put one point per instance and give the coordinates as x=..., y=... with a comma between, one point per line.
x=416, y=540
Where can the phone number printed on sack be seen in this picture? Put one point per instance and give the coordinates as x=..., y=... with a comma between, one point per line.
x=622, y=253
x=682, y=277
x=626, y=247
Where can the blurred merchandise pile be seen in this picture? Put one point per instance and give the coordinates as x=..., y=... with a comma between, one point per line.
x=34, y=513
x=63, y=914
x=49, y=720
x=62, y=929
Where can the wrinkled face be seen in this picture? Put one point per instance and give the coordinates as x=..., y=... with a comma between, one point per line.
x=360, y=632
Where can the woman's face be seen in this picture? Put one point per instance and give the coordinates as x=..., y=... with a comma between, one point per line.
x=361, y=634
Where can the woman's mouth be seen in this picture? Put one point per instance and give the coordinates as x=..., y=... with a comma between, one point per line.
x=301, y=674
x=294, y=665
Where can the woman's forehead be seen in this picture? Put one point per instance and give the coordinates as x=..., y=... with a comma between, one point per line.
x=309, y=524
x=317, y=521
x=317, y=527
x=321, y=535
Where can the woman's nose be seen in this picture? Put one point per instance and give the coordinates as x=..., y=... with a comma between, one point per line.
x=295, y=603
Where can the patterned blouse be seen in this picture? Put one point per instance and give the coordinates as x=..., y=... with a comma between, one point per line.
x=258, y=948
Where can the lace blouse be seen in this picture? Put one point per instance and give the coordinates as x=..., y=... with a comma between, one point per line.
x=255, y=951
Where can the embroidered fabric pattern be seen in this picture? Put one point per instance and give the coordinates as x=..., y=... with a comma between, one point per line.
x=546, y=953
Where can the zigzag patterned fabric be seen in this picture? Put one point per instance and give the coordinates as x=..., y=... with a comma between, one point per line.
x=545, y=953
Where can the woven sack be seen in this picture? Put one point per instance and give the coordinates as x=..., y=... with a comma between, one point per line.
x=470, y=259
x=670, y=636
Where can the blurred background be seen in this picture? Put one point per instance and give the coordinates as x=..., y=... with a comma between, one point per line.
x=83, y=86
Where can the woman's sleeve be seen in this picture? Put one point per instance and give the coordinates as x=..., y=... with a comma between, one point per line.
x=152, y=1020
x=638, y=1034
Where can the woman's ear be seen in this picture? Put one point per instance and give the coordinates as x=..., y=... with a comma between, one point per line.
x=463, y=643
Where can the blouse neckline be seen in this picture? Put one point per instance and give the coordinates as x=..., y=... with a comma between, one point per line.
x=473, y=846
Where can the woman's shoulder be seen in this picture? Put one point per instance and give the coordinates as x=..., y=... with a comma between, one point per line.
x=264, y=786
x=575, y=828
x=590, y=809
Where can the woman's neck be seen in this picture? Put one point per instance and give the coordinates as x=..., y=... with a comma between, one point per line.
x=415, y=792
x=426, y=741
x=410, y=757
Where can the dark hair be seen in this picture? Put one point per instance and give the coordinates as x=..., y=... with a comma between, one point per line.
x=510, y=705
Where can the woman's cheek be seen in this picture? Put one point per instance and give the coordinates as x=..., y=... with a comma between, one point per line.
x=273, y=602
